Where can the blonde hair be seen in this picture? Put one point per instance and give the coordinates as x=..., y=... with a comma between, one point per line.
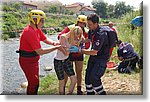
x=76, y=31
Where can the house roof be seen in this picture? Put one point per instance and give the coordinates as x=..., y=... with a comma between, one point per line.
x=55, y=2
x=78, y=3
x=74, y=5
x=87, y=8
x=25, y=3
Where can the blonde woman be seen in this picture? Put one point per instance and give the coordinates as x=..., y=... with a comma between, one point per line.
x=70, y=42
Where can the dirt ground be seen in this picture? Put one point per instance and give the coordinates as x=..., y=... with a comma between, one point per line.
x=122, y=84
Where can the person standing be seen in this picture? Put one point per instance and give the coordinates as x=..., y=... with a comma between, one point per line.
x=99, y=56
x=77, y=57
x=62, y=62
x=111, y=24
x=30, y=49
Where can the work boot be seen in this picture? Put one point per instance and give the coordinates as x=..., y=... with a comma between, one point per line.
x=79, y=92
x=131, y=70
x=103, y=93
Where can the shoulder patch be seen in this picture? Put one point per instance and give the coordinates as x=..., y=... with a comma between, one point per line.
x=97, y=43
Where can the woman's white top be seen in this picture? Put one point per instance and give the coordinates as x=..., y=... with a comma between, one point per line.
x=59, y=54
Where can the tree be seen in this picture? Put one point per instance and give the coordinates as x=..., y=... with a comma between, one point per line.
x=121, y=9
x=53, y=9
x=6, y=8
x=110, y=11
x=16, y=5
x=101, y=8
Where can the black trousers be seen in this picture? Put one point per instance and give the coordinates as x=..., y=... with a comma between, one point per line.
x=124, y=65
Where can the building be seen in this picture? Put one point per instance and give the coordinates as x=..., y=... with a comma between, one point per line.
x=27, y=6
x=75, y=7
x=41, y=4
x=80, y=8
x=35, y=4
x=87, y=10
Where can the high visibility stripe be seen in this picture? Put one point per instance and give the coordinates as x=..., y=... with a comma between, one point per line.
x=87, y=90
x=89, y=86
x=124, y=70
x=99, y=92
x=96, y=88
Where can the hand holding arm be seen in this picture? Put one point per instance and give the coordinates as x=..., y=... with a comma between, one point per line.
x=51, y=42
x=46, y=50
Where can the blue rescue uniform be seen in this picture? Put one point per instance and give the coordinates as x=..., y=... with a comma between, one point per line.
x=130, y=58
x=97, y=64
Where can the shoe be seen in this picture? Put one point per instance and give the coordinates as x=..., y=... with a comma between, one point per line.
x=103, y=93
x=131, y=70
x=79, y=92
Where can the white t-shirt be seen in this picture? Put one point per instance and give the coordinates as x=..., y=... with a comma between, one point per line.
x=59, y=54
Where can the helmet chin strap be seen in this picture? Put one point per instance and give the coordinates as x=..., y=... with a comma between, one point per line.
x=36, y=26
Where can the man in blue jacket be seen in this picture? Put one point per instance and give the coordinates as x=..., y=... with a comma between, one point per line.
x=128, y=57
x=99, y=56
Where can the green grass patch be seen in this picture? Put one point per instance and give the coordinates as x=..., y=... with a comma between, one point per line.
x=48, y=85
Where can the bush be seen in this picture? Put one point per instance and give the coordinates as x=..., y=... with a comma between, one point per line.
x=5, y=37
x=66, y=22
x=128, y=34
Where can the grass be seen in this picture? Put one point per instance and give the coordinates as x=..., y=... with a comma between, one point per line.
x=49, y=85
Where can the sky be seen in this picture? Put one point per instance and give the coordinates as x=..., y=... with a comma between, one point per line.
x=134, y=3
